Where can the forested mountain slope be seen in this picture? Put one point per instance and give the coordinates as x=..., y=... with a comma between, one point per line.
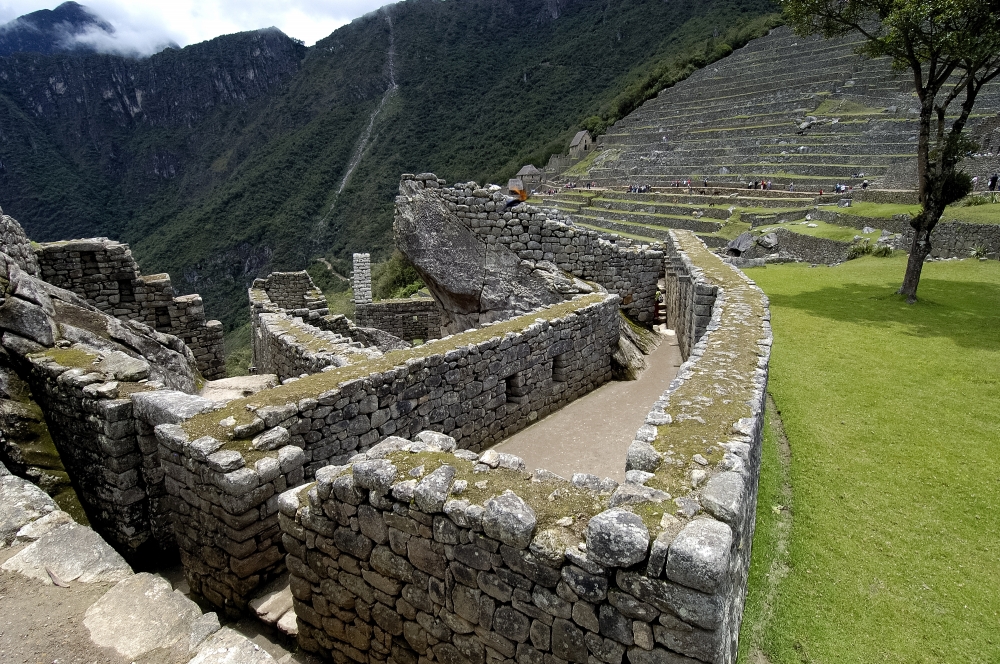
x=227, y=159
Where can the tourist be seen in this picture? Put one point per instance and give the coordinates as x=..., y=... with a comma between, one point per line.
x=791, y=186
x=864, y=185
x=993, y=181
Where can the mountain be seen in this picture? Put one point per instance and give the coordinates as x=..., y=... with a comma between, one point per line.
x=224, y=160
x=51, y=30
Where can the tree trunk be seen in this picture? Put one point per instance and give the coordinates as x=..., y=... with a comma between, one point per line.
x=919, y=251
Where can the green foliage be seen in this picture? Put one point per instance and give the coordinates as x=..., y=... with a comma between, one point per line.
x=957, y=186
x=981, y=199
x=859, y=249
x=892, y=556
x=881, y=251
x=484, y=86
x=239, y=353
x=395, y=278
x=326, y=279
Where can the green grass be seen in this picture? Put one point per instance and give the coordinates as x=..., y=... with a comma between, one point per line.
x=977, y=214
x=890, y=411
x=768, y=560
x=823, y=229
x=239, y=352
x=886, y=210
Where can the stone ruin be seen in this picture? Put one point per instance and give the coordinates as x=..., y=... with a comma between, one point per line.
x=368, y=475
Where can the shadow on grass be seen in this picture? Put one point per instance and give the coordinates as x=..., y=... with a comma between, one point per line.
x=964, y=311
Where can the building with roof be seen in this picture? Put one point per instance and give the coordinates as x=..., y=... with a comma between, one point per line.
x=581, y=144
x=530, y=175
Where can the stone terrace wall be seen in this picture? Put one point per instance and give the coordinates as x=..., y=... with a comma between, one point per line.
x=104, y=273
x=629, y=272
x=290, y=348
x=415, y=318
x=419, y=551
x=295, y=292
x=480, y=387
x=957, y=239
x=800, y=247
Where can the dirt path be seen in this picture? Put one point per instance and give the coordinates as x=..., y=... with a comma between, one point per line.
x=592, y=434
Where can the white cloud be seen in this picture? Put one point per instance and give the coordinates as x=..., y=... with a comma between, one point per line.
x=143, y=26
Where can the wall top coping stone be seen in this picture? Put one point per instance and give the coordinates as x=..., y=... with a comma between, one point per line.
x=717, y=397
x=330, y=382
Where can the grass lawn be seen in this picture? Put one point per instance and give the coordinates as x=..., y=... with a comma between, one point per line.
x=976, y=214
x=823, y=229
x=891, y=414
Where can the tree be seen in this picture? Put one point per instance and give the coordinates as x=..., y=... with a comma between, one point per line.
x=952, y=49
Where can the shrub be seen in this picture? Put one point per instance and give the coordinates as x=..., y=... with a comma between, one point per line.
x=395, y=278
x=882, y=251
x=978, y=251
x=862, y=248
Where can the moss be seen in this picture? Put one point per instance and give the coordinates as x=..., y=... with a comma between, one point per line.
x=566, y=499
x=74, y=358
x=720, y=386
x=309, y=387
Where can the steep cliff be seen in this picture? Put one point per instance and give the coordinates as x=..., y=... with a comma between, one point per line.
x=223, y=161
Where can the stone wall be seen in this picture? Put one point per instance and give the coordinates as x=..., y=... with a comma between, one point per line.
x=224, y=509
x=422, y=551
x=289, y=347
x=480, y=387
x=688, y=300
x=791, y=246
x=898, y=223
x=631, y=272
x=361, y=280
x=104, y=273
x=94, y=431
x=957, y=239
x=409, y=319
x=16, y=244
x=294, y=292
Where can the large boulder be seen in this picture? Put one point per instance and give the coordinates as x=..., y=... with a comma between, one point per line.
x=474, y=282
x=36, y=316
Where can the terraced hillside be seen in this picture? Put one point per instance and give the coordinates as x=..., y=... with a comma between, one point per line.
x=785, y=108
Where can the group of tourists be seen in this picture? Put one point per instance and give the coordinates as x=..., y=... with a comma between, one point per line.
x=639, y=189
x=764, y=185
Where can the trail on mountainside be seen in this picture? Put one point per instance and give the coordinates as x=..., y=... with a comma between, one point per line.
x=366, y=135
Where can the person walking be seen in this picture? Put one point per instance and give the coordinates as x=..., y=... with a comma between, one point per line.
x=993, y=181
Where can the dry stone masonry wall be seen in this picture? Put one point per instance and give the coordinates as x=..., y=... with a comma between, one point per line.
x=414, y=318
x=480, y=387
x=104, y=273
x=421, y=551
x=362, y=280
x=629, y=272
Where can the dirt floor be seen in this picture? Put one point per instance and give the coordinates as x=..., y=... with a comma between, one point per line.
x=42, y=624
x=592, y=434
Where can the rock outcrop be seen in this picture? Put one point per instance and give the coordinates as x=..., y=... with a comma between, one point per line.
x=474, y=282
x=36, y=316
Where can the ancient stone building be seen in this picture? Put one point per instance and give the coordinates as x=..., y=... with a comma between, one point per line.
x=103, y=273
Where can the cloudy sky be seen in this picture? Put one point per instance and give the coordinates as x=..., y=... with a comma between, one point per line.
x=143, y=24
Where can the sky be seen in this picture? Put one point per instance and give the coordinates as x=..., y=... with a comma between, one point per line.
x=143, y=26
